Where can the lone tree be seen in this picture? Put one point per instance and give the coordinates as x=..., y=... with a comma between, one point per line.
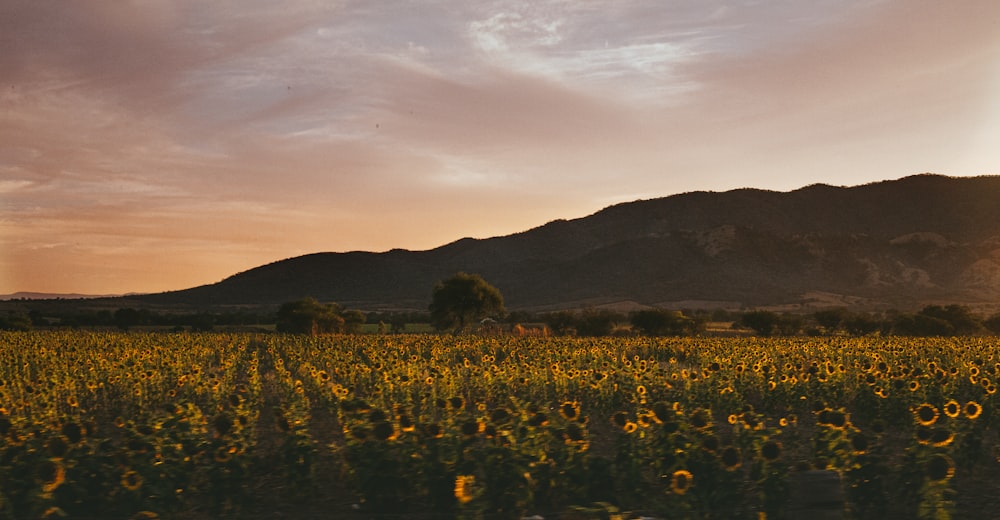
x=309, y=316
x=462, y=299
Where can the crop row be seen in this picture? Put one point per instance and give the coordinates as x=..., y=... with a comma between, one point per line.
x=118, y=425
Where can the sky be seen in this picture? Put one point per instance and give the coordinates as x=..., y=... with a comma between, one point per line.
x=153, y=145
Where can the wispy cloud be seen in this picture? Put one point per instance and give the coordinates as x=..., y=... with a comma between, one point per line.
x=152, y=145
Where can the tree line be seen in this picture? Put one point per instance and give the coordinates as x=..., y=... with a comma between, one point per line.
x=466, y=303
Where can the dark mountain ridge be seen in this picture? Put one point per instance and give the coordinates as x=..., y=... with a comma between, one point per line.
x=903, y=243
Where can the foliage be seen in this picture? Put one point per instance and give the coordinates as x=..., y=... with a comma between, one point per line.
x=112, y=424
x=15, y=321
x=588, y=322
x=660, y=322
x=463, y=299
x=308, y=316
x=764, y=323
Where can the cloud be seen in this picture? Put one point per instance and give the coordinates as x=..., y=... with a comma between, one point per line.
x=207, y=137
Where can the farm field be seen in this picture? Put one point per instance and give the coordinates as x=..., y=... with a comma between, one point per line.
x=151, y=425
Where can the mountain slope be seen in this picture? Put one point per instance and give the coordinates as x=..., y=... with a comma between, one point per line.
x=896, y=243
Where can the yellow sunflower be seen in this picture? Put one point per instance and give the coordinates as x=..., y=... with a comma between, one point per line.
x=926, y=414
x=463, y=488
x=131, y=480
x=973, y=410
x=680, y=481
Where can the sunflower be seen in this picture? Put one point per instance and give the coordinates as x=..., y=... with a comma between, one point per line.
x=770, y=450
x=923, y=434
x=57, y=447
x=681, y=481
x=940, y=467
x=384, y=431
x=630, y=427
x=538, y=419
x=569, y=410
x=859, y=443
x=701, y=419
x=731, y=458
x=952, y=408
x=406, y=423
x=710, y=443
x=941, y=437
x=376, y=416
x=463, y=488
x=750, y=421
x=222, y=454
x=52, y=474
x=973, y=410
x=131, y=480
x=222, y=423
x=662, y=412
x=54, y=512
x=73, y=432
x=434, y=430
x=926, y=414
x=471, y=428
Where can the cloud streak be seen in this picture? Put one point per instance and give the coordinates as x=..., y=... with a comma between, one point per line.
x=153, y=145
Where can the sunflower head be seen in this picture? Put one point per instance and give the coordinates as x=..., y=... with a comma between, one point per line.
x=926, y=414
x=940, y=467
x=770, y=450
x=730, y=458
x=52, y=474
x=131, y=480
x=972, y=410
x=569, y=410
x=680, y=481
x=464, y=488
x=859, y=443
x=701, y=419
x=952, y=408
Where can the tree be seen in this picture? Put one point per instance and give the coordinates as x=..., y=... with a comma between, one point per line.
x=831, y=319
x=15, y=320
x=127, y=318
x=309, y=316
x=935, y=320
x=353, y=320
x=597, y=322
x=662, y=322
x=462, y=299
x=764, y=323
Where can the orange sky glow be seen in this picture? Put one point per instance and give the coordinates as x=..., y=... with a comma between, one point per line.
x=153, y=145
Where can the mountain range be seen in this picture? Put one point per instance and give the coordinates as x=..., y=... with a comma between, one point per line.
x=895, y=244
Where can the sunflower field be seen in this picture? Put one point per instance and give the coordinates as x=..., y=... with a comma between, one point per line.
x=132, y=425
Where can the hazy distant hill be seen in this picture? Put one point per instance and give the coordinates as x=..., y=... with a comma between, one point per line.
x=903, y=243
x=24, y=295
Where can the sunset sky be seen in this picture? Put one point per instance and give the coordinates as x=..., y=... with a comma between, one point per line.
x=151, y=145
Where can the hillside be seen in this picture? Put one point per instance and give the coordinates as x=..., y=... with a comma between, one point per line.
x=900, y=244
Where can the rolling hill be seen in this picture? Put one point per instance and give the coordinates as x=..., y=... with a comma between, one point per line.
x=894, y=244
